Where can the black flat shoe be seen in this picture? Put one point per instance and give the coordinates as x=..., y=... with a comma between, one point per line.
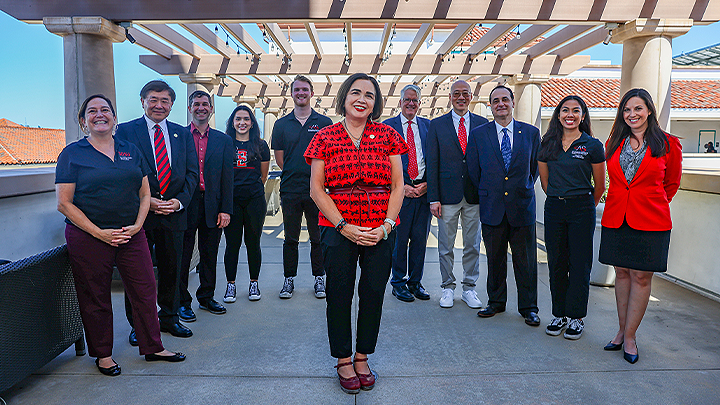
x=418, y=291
x=613, y=347
x=132, y=338
x=489, y=311
x=109, y=371
x=186, y=314
x=532, y=319
x=175, y=329
x=177, y=357
x=403, y=294
x=213, y=307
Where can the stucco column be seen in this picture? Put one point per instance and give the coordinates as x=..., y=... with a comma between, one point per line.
x=199, y=81
x=88, y=62
x=271, y=115
x=527, y=97
x=249, y=101
x=479, y=107
x=647, y=59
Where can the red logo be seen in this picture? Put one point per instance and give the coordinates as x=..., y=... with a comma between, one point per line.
x=241, y=158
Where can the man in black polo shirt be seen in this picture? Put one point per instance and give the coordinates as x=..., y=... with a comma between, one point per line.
x=290, y=137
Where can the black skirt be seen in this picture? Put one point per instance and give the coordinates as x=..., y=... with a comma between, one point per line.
x=634, y=249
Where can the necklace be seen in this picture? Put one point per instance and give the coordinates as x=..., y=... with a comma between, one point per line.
x=566, y=145
x=353, y=137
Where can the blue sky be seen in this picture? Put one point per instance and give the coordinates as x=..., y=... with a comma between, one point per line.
x=31, y=74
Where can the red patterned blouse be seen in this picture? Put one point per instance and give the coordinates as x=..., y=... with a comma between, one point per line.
x=346, y=165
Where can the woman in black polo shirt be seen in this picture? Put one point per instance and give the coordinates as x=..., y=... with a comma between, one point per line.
x=569, y=156
x=102, y=189
x=252, y=162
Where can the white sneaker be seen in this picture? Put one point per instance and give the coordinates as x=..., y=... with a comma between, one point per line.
x=448, y=296
x=471, y=299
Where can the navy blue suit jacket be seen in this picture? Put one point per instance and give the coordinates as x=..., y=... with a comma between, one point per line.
x=183, y=166
x=501, y=192
x=447, y=175
x=423, y=124
x=218, y=176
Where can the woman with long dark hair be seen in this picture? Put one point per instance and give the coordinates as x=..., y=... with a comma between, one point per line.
x=569, y=162
x=645, y=166
x=251, y=166
x=358, y=162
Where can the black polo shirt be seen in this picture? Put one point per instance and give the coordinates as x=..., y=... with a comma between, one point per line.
x=246, y=170
x=106, y=191
x=293, y=139
x=570, y=174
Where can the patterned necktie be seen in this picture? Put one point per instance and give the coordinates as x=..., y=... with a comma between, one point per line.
x=505, y=148
x=412, y=157
x=462, y=134
x=161, y=160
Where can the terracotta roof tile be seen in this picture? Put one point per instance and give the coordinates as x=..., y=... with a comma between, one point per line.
x=24, y=145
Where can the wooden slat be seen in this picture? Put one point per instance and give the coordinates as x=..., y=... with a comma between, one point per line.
x=526, y=37
x=175, y=38
x=387, y=30
x=581, y=44
x=557, y=39
x=419, y=39
x=454, y=38
x=151, y=44
x=242, y=36
x=493, y=35
x=279, y=38
x=206, y=35
x=313, y=34
x=348, y=34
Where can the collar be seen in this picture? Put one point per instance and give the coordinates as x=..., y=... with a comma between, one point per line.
x=194, y=129
x=457, y=117
x=499, y=128
x=151, y=124
x=312, y=112
x=404, y=120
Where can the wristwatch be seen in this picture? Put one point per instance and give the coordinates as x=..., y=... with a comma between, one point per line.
x=391, y=222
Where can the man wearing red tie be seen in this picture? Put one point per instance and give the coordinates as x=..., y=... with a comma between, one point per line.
x=169, y=151
x=414, y=227
x=452, y=195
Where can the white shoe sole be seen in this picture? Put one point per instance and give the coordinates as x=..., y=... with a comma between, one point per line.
x=229, y=300
x=285, y=296
x=320, y=295
x=473, y=306
x=572, y=337
x=254, y=297
x=446, y=305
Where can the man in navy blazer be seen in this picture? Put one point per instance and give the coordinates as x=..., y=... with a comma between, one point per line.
x=452, y=195
x=414, y=227
x=167, y=220
x=210, y=208
x=502, y=163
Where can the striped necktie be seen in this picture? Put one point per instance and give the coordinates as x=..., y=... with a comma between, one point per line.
x=161, y=160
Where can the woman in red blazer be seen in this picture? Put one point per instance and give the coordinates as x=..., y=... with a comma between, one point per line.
x=645, y=165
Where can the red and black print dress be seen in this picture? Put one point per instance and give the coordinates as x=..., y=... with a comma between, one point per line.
x=346, y=165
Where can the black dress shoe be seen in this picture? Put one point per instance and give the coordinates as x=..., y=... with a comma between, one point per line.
x=177, y=357
x=109, y=371
x=632, y=358
x=132, y=338
x=213, y=307
x=613, y=347
x=175, y=329
x=489, y=311
x=532, y=319
x=186, y=314
x=402, y=293
x=418, y=291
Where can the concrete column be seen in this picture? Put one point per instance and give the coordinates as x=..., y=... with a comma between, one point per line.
x=199, y=81
x=527, y=97
x=647, y=59
x=88, y=62
x=249, y=101
x=271, y=115
x=480, y=108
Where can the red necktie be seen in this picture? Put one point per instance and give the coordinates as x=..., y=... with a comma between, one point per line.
x=412, y=157
x=161, y=160
x=462, y=134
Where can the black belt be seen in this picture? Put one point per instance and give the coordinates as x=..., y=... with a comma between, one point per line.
x=571, y=197
x=416, y=182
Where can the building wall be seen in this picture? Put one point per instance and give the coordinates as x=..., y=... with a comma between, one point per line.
x=30, y=224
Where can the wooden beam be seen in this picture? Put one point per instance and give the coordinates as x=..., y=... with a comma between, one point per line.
x=348, y=34
x=175, y=38
x=387, y=31
x=495, y=33
x=457, y=35
x=557, y=39
x=204, y=34
x=279, y=38
x=593, y=38
x=525, y=38
x=151, y=44
x=419, y=39
x=313, y=34
x=242, y=36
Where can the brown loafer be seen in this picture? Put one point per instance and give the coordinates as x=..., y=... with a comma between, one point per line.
x=367, y=381
x=349, y=385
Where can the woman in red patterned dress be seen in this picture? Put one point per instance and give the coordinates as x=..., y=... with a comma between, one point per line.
x=358, y=162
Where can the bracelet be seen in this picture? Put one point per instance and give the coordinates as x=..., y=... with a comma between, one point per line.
x=339, y=227
x=391, y=222
x=385, y=234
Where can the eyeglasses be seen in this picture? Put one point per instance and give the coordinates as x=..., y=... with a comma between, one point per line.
x=411, y=100
x=465, y=94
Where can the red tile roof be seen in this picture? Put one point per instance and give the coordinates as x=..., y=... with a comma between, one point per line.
x=605, y=93
x=21, y=145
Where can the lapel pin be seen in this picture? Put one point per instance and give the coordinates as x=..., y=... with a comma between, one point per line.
x=372, y=136
x=175, y=135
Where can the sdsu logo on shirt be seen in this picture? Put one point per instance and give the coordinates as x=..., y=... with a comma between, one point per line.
x=579, y=152
x=241, y=158
x=124, y=156
x=314, y=128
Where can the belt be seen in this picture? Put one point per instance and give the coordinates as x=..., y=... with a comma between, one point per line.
x=416, y=182
x=571, y=197
x=358, y=189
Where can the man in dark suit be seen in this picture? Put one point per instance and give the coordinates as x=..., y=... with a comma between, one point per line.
x=502, y=162
x=452, y=195
x=170, y=153
x=210, y=208
x=414, y=215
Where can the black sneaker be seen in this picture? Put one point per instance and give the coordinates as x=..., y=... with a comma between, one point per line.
x=319, y=287
x=230, y=293
x=288, y=288
x=556, y=326
x=254, y=291
x=575, y=329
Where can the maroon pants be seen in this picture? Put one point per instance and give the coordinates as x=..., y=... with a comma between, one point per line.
x=92, y=265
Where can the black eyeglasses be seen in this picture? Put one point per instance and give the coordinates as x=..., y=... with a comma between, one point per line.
x=411, y=100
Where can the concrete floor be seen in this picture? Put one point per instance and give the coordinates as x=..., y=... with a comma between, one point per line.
x=276, y=351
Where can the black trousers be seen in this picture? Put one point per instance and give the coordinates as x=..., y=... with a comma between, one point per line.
x=524, y=260
x=294, y=206
x=411, y=243
x=569, y=230
x=168, y=246
x=208, y=244
x=340, y=259
x=248, y=217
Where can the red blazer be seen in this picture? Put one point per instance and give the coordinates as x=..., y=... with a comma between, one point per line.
x=645, y=202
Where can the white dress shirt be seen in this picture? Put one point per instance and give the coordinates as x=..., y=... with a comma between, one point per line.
x=418, y=146
x=456, y=122
x=166, y=135
x=509, y=128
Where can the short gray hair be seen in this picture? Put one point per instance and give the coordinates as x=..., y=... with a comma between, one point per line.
x=413, y=87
